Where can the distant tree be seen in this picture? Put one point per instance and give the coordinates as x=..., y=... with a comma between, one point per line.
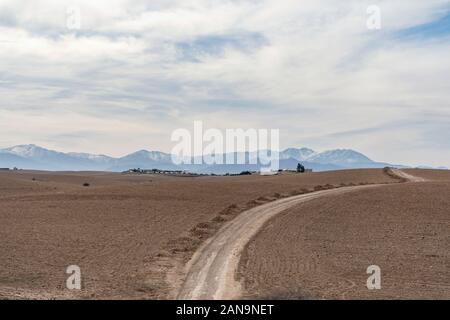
x=300, y=168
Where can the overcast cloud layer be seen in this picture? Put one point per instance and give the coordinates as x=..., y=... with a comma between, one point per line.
x=137, y=70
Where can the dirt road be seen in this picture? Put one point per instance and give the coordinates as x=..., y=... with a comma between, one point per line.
x=211, y=271
x=407, y=176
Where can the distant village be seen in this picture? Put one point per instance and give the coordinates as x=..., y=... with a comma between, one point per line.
x=300, y=169
x=8, y=169
x=185, y=173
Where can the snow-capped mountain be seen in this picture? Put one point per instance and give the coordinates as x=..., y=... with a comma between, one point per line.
x=333, y=159
x=340, y=157
x=31, y=151
x=144, y=159
x=297, y=154
x=10, y=160
x=144, y=155
x=35, y=157
x=88, y=156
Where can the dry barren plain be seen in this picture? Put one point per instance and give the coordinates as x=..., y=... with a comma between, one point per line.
x=321, y=249
x=129, y=233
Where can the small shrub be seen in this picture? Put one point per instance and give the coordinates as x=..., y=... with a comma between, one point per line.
x=219, y=219
x=229, y=210
x=86, y=184
x=202, y=225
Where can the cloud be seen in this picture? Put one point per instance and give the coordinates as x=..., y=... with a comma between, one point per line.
x=136, y=70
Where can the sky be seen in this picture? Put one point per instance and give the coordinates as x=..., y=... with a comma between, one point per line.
x=133, y=71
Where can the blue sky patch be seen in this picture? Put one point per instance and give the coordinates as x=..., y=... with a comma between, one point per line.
x=215, y=45
x=435, y=29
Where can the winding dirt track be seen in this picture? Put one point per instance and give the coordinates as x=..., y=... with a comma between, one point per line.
x=408, y=177
x=211, y=272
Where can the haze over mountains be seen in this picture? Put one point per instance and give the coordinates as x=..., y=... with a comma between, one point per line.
x=38, y=158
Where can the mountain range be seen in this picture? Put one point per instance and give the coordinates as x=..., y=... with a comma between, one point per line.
x=38, y=158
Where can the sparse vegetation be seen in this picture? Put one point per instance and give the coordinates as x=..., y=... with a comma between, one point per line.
x=300, y=168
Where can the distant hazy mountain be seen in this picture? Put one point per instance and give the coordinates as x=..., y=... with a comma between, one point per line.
x=32, y=151
x=340, y=157
x=297, y=154
x=145, y=160
x=35, y=157
x=9, y=160
x=92, y=157
x=144, y=155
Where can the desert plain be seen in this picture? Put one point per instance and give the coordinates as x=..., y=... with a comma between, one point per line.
x=134, y=236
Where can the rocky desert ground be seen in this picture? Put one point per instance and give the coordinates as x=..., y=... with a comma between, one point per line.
x=135, y=236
